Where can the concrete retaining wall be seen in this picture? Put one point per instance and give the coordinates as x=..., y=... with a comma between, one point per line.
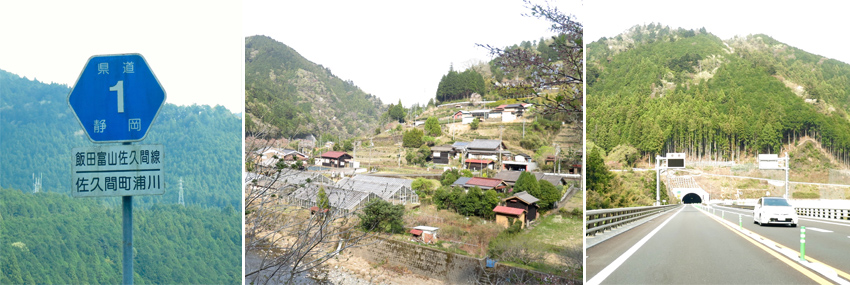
x=448, y=267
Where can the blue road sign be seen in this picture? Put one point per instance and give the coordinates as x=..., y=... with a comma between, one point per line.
x=116, y=98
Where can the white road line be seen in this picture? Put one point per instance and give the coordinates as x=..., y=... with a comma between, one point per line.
x=825, y=221
x=602, y=275
x=818, y=230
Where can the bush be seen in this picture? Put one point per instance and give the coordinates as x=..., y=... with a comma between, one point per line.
x=382, y=216
x=413, y=138
x=532, y=142
x=805, y=195
x=474, y=124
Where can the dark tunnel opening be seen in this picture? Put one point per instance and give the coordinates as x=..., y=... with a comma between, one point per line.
x=691, y=198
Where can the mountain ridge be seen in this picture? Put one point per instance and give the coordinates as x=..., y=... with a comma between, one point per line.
x=287, y=95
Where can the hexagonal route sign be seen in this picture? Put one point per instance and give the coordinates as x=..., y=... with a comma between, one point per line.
x=116, y=98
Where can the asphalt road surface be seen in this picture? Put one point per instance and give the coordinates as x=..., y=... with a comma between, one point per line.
x=688, y=246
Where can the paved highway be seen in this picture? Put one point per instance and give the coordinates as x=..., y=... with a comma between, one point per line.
x=689, y=246
x=827, y=241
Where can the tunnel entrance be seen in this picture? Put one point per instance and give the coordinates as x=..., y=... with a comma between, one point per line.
x=691, y=198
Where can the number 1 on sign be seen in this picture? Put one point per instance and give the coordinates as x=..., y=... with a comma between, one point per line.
x=120, y=88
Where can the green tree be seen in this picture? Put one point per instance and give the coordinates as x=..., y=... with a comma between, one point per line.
x=527, y=182
x=382, y=216
x=413, y=138
x=449, y=177
x=548, y=195
x=491, y=200
x=470, y=203
x=474, y=124
x=322, y=199
x=397, y=112
x=597, y=173
x=432, y=127
x=348, y=145
x=423, y=184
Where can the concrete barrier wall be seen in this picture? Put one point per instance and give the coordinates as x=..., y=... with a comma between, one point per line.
x=448, y=267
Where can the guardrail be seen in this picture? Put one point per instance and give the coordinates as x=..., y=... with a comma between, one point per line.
x=597, y=221
x=839, y=214
x=826, y=213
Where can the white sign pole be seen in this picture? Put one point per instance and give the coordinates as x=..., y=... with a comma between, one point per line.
x=657, y=180
x=787, y=168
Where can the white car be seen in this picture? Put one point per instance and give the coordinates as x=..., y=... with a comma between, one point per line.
x=774, y=210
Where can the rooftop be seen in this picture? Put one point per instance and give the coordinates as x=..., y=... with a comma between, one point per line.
x=485, y=144
x=334, y=154
x=525, y=197
x=508, y=210
x=426, y=228
x=487, y=182
x=484, y=161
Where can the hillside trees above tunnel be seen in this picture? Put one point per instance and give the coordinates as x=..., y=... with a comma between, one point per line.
x=739, y=108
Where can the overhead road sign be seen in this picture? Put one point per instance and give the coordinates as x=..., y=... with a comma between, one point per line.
x=676, y=160
x=116, y=98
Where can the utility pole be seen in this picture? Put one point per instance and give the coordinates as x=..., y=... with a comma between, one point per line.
x=501, y=127
x=180, y=198
x=557, y=167
x=36, y=183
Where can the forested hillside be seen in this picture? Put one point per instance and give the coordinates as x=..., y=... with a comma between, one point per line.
x=286, y=95
x=664, y=90
x=38, y=131
x=51, y=238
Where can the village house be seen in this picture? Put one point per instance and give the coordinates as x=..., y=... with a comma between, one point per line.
x=334, y=159
x=267, y=158
x=480, y=182
x=478, y=164
x=504, y=216
x=465, y=117
x=460, y=149
x=572, y=166
x=525, y=202
x=510, y=177
x=486, y=149
x=480, y=114
x=442, y=154
x=519, y=165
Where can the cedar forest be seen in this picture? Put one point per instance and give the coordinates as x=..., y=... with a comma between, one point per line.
x=659, y=90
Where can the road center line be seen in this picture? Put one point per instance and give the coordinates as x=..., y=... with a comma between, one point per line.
x=602, y=275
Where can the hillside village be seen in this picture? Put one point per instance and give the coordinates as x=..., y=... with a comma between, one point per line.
x=468, y=180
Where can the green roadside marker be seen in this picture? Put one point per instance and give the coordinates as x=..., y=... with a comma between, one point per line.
x=740, y=224
x=802, y=243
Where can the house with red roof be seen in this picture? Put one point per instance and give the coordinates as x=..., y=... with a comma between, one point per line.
x=523, y=201
x=504, y=216
x=480, y=182
x=487, y=183
x=334, y=159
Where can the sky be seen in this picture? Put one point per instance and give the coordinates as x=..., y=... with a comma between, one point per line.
x=397, y=49
x=195, y=48
x=817, y=27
